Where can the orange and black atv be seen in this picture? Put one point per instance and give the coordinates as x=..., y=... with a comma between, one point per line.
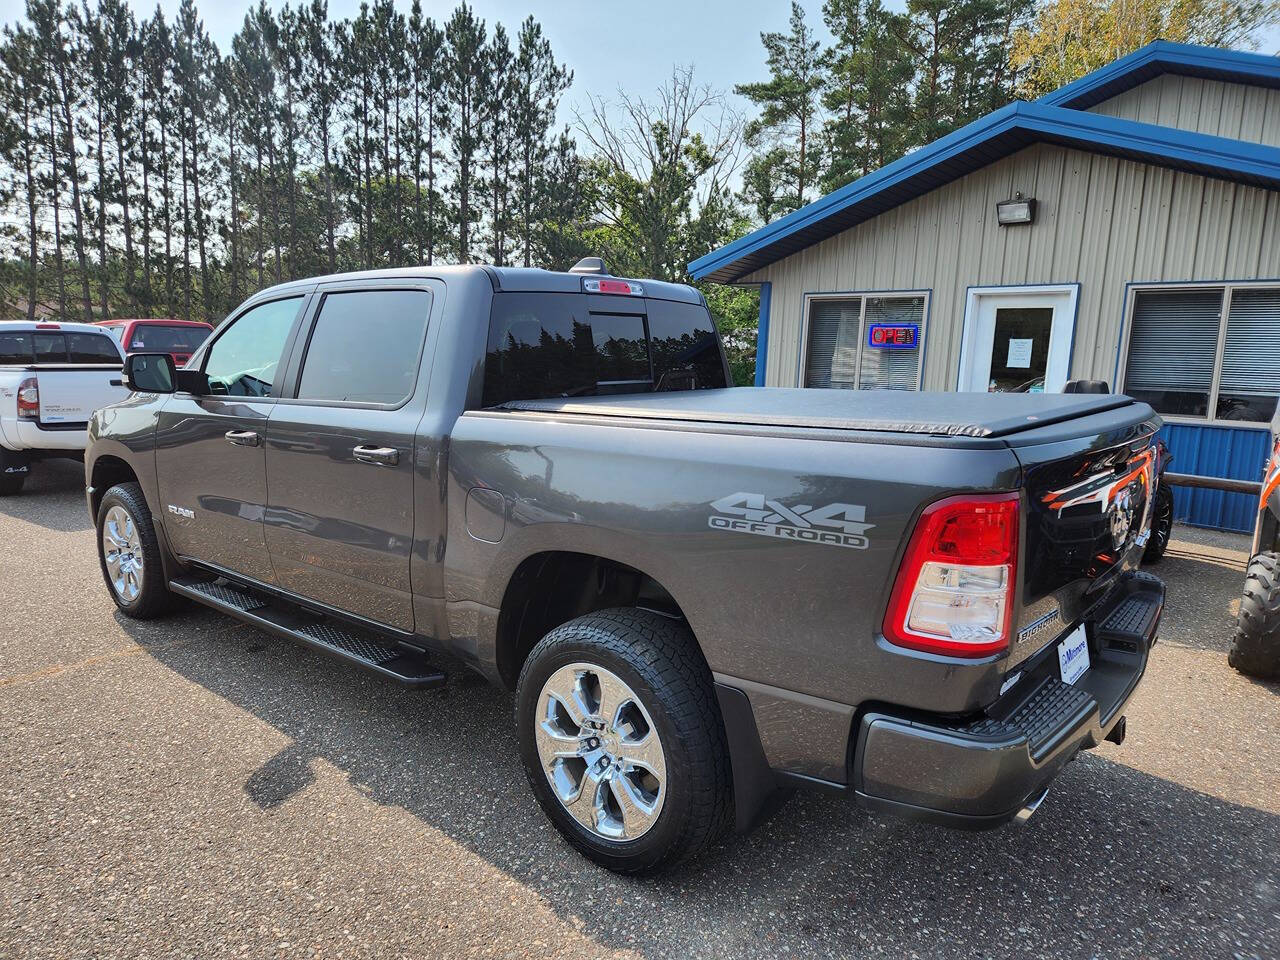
x=1255, y=649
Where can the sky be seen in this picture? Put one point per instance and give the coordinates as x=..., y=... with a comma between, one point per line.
x=606, y=43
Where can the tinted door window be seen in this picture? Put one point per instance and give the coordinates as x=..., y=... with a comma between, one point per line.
x=365, y=346
x=245, y=359
x=15, y=348
x=91, y=348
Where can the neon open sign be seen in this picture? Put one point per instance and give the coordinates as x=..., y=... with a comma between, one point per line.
x=893, y=336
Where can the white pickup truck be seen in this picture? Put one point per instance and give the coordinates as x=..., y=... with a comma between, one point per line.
x=52, y=377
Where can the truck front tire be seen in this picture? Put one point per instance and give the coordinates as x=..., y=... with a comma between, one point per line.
x=1255, y=648
x=129, y=554
x=621, y=737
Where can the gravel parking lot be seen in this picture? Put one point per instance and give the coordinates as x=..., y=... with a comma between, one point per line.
x=196, y=788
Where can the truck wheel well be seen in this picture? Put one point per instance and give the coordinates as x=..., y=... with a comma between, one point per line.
x=107, y=472
x=552, y=588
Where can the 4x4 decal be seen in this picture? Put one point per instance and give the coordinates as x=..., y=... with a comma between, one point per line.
x=838, y=524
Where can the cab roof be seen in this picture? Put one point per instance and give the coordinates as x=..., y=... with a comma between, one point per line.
x=506, y=279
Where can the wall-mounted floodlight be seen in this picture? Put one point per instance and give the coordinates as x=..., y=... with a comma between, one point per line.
x=1018, y=210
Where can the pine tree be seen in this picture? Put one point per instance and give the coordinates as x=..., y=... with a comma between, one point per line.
x=496, y=132
x=868, y=96
x=320, y=94
x=62, y=55
x=788, y=103
x=429, y=73
x=537, y=83
x=467, y=79
x=22, y=89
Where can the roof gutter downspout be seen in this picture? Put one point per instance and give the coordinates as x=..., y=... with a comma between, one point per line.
x=762, y=332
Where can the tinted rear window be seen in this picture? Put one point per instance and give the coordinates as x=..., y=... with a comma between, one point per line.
x=15, y=348
x=365, y=346
x=91, y=348
x=553, y=345
x=155, y=338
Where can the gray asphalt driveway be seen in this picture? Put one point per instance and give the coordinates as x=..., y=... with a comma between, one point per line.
x=196, y=788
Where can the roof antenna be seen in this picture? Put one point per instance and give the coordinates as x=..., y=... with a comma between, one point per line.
x=590, y=265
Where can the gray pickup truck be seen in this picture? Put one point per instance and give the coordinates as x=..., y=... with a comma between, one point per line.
x=702, y=597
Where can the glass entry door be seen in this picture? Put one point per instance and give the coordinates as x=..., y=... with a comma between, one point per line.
x=1017, y=340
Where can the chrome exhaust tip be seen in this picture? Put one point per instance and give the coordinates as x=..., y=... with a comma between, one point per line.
x=1023, y=815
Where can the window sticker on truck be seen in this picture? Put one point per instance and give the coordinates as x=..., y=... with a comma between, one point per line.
x=838, y=524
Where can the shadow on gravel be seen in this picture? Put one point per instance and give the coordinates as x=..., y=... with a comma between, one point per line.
x=1203, y=598
x=53, y=497
x=1115, y=863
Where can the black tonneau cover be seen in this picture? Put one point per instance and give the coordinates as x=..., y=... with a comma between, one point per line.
x=890, y=411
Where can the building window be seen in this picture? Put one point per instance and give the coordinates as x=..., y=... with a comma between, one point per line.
x=865, y=342
x=1185, y=361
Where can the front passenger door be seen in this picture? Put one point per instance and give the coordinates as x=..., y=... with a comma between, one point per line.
x=210, y=449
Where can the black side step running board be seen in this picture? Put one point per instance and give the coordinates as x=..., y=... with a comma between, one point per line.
x=401, y=662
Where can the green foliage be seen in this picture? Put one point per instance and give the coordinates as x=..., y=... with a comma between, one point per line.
x=736, y=311
x=1069, y=38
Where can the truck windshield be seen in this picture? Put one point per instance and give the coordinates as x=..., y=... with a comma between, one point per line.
x=554, y=345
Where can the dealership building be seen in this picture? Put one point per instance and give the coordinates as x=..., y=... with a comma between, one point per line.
x=1124, y=228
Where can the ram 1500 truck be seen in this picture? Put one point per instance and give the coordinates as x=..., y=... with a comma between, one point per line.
x=702, y=596
x=52, y=377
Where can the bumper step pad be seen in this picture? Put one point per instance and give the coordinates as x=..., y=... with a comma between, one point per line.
x=397, y=661
x=1051, y=712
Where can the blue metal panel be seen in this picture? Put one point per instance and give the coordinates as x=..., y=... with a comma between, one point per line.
x=1239, y=453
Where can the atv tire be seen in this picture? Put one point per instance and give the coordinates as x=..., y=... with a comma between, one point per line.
x=1255, y=648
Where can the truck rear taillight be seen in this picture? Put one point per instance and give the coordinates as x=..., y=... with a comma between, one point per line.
x=603, y=285
x=29, y=399
x=954, y=591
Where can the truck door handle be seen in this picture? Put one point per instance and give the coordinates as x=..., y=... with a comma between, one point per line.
x=246, y=438
x=386, y=456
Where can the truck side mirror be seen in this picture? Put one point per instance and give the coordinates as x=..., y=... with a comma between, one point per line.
x=150, y=372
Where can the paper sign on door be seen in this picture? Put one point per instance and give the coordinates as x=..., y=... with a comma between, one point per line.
x=1019, y=353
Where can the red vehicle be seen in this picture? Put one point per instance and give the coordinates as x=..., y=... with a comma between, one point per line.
x=179, y=338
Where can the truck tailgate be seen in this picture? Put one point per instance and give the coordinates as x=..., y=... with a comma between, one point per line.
x=1090, y=487
x=69, y=394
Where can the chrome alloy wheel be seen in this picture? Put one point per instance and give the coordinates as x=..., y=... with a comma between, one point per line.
x=122, y=553
x=600, y=751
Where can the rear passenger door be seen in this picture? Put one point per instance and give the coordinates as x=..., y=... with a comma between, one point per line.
x=340, y=451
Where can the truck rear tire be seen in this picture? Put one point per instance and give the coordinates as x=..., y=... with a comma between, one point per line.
x=622, y=740
x=129, y=554
x=1255, y=648
x=1161, y=524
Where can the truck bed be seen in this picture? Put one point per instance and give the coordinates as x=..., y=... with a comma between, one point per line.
x=978, y=415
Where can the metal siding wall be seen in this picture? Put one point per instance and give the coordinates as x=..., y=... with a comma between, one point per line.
x=1221, y=109
x=1100, y=221
x=1236, y=452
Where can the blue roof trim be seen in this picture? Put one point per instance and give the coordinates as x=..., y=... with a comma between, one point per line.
x=974, y=146
x=1163, y=57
